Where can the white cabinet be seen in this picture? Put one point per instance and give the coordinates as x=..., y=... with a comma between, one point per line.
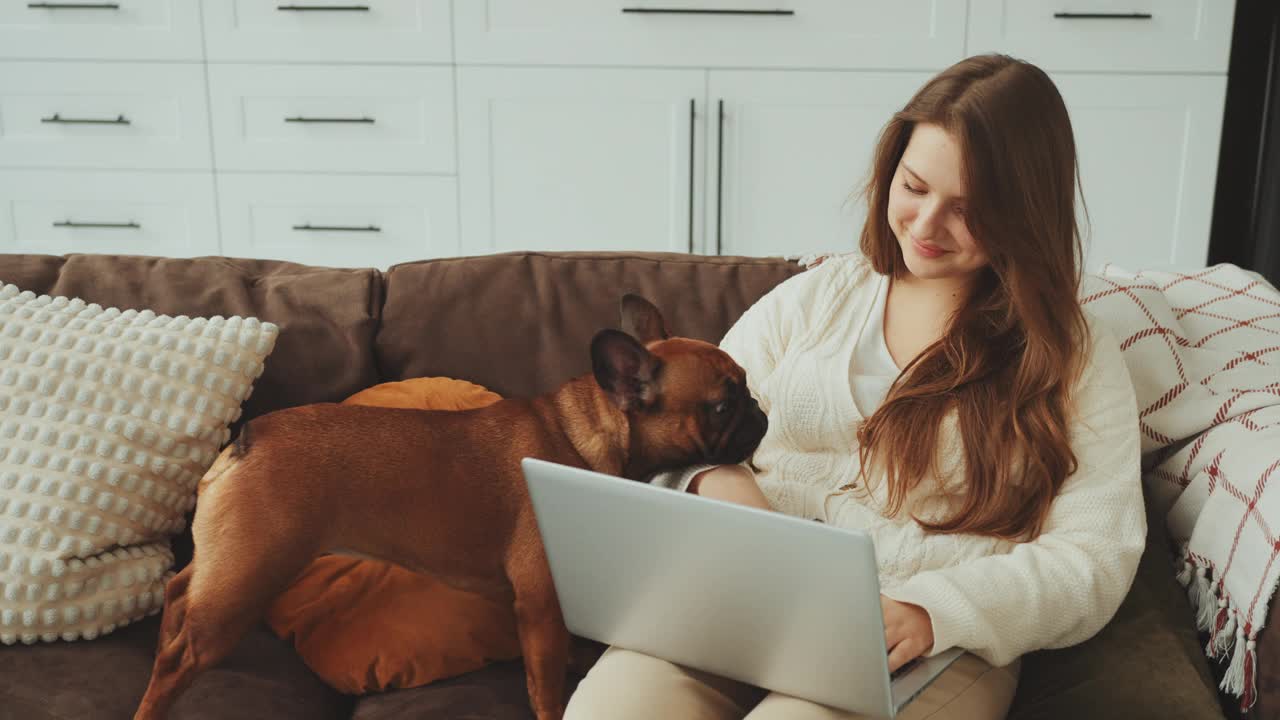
x=579, y=159
x=789, y=153
x=479, y=126
x=711, y=33
x=1148, y=154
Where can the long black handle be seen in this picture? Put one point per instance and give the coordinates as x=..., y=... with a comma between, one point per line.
x=1102, y=16
x=324, y=8
x=57, y=118
x=719, y=175
x=693, y=135
x=704, y=11
x=301, y=119
x=131, y=225
x=338, y=228
x=73, y=6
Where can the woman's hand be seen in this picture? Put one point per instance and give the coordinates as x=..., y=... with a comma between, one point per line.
x=732, y=483
x=908, y=631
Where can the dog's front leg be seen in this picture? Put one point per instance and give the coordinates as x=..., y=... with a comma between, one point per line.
x=544, y=639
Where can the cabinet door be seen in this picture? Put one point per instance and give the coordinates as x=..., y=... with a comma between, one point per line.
x=579, y=159
x=1148, y=153
x=917, y=34
x=794, y=151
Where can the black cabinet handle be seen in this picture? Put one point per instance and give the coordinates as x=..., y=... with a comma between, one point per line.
x=337, y=228
x=57, y=118
x=704, y=11
x=131, y=225
x=323, y=8
x=1102, y=16
x=693, y=135
x=73, y=6
x=719, y=175
x=300, y=119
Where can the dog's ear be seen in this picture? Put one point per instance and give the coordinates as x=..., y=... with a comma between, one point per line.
x=642, y=320
x=625, y=369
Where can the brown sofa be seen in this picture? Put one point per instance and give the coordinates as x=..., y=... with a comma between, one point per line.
x=518, y=324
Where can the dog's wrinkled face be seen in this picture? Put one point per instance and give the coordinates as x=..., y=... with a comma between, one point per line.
x=687, y=401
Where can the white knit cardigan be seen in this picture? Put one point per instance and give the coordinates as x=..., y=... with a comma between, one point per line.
x=995, y=598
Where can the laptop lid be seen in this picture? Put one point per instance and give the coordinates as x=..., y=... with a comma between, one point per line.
x=789, y=605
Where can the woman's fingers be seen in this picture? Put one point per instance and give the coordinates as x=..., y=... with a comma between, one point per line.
x=893, y=634
x=903, y=653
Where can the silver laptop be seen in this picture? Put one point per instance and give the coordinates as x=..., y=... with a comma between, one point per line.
x=789, y=605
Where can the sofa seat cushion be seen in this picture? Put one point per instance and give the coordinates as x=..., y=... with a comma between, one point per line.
x=496, y=692
x=1148, y=662
x=105, y=678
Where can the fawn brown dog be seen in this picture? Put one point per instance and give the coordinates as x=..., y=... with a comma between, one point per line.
x=441, y=492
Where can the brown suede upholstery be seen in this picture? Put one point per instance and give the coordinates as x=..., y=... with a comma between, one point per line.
x=518, y=324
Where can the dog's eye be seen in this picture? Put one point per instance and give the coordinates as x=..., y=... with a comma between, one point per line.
x=721, y=408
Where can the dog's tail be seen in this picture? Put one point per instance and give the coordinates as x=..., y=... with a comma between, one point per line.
x=240, y=446
x=226, y=459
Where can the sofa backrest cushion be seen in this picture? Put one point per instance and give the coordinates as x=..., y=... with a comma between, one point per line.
x=521, y=323
x=327, y=317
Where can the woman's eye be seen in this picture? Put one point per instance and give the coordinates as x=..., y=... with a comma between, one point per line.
x=914, y=191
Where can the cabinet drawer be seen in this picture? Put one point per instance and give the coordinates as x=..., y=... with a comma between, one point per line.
x=921, y=34
x=1088, y=35
x=341, y=221
x=106, y=29
x=333, y=118
x=329, y=30
x=134, y=213
x=103, y=115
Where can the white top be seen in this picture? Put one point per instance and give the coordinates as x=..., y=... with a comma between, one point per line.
x=993, y=597
x=873, y=370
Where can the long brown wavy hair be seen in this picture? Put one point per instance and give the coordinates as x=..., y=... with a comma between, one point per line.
x=1010, y=355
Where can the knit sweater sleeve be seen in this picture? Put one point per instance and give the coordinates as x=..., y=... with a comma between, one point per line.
x=1064, y=586
x=758, y=340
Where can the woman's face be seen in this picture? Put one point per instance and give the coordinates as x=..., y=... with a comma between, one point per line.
x=927, y=208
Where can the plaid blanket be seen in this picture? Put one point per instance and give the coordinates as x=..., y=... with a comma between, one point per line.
x=1203, y=351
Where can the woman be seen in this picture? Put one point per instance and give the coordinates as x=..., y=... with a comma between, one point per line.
x=943, y=391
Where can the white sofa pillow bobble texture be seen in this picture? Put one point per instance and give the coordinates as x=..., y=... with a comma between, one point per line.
x=108, y=419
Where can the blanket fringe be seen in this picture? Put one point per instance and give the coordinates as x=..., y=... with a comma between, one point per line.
x=1228, y=635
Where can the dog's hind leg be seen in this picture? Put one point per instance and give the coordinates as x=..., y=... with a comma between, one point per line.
x=241, y=564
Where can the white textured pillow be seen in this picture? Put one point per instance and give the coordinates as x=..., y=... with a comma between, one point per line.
x=107, y=421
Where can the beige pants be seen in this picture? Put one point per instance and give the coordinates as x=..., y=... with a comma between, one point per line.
x=626, y=685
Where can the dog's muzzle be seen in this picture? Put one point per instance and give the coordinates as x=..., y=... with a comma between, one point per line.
x=745, y=436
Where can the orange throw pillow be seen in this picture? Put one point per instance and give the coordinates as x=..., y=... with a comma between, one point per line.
x=366, y=625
